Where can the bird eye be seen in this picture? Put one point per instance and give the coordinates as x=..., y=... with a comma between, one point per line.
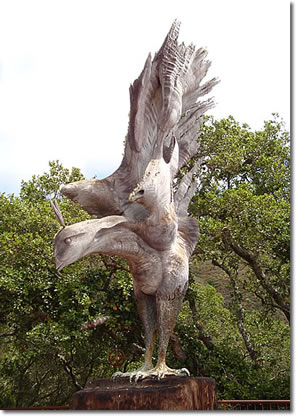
x=73, y=238
x=141, y=192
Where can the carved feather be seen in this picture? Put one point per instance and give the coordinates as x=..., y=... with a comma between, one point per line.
x=153, y=230
x=57, y=211
x=163, y=106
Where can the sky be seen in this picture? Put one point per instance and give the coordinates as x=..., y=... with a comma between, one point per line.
x=66, y=67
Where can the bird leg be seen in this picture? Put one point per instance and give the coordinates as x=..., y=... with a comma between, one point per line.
x=147, y=312
x=167, y=313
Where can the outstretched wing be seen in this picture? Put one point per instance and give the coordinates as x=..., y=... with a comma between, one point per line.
x=163, y=111
x=164, y=104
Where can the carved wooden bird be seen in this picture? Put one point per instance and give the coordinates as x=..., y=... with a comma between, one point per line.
x=141, y=214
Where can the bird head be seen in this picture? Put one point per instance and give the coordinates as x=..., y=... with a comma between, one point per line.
x=75, y=241
x=155, y=188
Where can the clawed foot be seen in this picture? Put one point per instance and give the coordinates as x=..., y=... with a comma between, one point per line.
x=160, y=371
x=136, y=375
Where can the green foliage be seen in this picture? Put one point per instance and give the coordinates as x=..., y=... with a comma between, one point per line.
x=48, y=185
x=226, y=358
x=51, y=343
x=244, y=190
x=44, y=354
x=243, y=207
x=234, y=155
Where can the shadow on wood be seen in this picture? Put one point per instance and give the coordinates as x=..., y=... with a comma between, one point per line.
x=170, y=393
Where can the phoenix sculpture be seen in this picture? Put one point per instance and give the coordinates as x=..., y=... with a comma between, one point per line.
x=140, y=211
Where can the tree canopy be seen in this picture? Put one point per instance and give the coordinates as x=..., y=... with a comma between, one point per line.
x=58, y=330
x=243, y=206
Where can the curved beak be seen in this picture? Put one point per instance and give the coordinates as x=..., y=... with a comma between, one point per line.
x=58, y=264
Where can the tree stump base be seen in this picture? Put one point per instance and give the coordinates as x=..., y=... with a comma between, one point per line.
x=170, y=393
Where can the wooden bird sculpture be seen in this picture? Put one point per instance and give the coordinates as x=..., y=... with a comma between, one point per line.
x=141, y=214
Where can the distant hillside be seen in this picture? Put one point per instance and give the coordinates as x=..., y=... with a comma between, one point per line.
x=206, y=273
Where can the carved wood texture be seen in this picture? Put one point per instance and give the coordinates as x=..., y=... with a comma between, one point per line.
x=141, y=214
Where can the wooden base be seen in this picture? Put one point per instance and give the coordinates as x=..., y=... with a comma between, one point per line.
x=170, y=393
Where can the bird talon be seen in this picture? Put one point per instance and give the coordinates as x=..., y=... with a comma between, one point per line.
x=137, y=377
x=159, y=372
x=185, y=372
x=117, y=374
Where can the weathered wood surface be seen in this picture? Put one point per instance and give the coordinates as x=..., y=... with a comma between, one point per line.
x=170, y=393
x=141, y=209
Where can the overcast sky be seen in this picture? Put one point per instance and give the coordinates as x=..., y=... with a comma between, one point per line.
x=66, y=67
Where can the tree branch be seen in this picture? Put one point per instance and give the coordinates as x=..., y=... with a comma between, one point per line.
x=93, y=324
x=251, y=259
x=239, y=311
x=69, y=371
x=177, y=347
x=8, y=334
x=202, y=336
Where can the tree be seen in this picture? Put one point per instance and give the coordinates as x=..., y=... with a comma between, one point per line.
x=58, y=329
x=213, y=346
x=243, y=206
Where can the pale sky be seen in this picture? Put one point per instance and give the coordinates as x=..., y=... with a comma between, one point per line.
x=66, y=67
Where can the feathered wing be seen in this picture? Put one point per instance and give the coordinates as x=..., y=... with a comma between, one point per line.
x=163, y=110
